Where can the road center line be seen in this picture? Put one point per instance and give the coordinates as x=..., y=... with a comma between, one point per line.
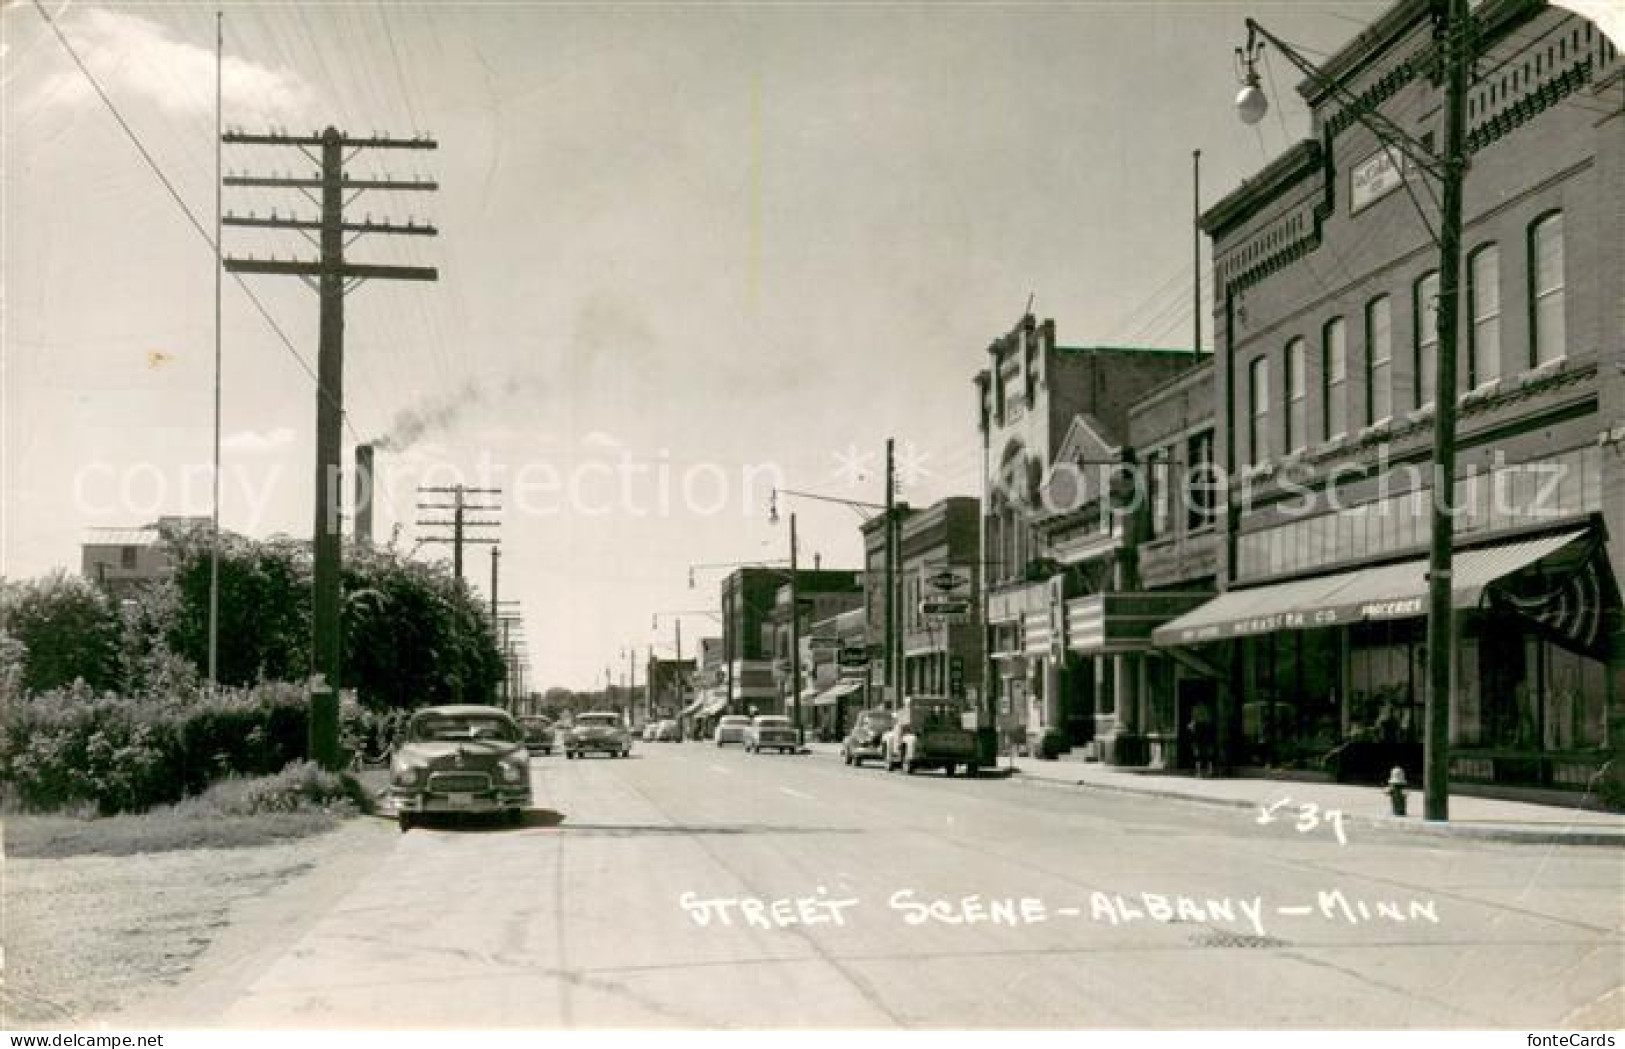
x=797, y=794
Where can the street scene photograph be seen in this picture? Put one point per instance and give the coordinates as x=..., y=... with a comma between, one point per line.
x=809, y=517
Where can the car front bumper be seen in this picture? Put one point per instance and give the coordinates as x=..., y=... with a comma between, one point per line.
x=613, y=746
x=499, y=800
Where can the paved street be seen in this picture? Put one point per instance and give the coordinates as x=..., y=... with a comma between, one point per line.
x=579, y=919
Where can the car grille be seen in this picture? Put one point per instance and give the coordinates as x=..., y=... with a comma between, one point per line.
x=459, y=782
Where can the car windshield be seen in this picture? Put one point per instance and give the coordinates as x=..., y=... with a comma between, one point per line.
x=773, y=722
x=446, y=727
x=598, y=721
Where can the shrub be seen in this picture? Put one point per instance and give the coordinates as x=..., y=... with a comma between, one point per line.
x=301, y=786
x=1052, y=744
x=124, y=755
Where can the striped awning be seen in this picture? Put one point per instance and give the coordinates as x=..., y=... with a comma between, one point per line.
x=1386, y=592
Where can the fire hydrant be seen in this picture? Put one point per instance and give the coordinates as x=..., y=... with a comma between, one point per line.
x=1396, y=790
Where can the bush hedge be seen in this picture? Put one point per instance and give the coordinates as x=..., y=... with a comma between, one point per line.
x=71, y=746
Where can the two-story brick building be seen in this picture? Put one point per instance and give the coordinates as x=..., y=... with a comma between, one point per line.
x=1326, y=288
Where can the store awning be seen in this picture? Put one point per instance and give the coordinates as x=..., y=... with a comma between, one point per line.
x=714, y=705
x=1387, y=592
x=834, y=694
x=694, y=707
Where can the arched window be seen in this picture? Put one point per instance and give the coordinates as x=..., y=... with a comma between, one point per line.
x=1484, y=296
x=1425, y=317
x=1548, y=331
x=1379, y=359
x=1334, y=363
x=1258, y=410
x=1296, y=422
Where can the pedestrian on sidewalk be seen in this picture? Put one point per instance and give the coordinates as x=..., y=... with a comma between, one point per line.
x=1200, y=731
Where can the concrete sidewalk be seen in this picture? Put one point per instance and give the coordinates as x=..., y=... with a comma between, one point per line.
x=1361, y=805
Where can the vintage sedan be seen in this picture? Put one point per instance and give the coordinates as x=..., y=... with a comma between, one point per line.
x=538, y=734
x=731, y=729
x=599, y=732
x=771, y=732
x=460, y=759
x=868, y=737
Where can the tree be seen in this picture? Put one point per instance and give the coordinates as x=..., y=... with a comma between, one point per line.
x=67, y=628
x=264, y=630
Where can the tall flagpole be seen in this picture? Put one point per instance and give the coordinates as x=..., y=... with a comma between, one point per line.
x=214, y=537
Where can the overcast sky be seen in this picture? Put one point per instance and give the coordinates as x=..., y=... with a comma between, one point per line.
x=679, y=246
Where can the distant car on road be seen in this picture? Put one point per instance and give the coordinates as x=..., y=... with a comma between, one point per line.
x=649, y=730
x=460, y=759
x=731, y=729
x=930, y=733
x=868, y=737
x=667, y=732
x=771, y=732
x=538, y=734
x=600, y=732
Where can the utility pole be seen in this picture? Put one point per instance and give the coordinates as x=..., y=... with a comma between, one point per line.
x=1196, y=251
x=795, y=629
x=460, y=507
x=496, y=559
x=333, y=278
x=1455, y=39
x=458, y=525
x=892, y=676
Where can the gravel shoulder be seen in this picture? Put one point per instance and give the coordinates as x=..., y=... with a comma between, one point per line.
x=93, y=937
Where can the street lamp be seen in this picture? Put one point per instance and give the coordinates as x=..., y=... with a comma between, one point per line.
x=795, y=613
x=1454, y=32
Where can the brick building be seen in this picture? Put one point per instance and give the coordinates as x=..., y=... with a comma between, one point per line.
x=1325, y=286
x=1053, y=422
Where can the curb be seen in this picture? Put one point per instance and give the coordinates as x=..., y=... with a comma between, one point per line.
x=1520, y=834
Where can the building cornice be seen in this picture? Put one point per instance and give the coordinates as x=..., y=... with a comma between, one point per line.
x=1281, y=174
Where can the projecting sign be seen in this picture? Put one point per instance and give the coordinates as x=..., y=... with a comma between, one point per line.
x=949, y=579
x=944, y=607
x=823, y=644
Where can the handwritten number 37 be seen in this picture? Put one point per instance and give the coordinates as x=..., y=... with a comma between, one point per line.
x=1310, y=817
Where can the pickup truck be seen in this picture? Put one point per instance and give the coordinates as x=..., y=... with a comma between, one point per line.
x=930, y=733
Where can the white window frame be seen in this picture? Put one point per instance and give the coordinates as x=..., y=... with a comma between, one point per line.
x=1484, y=342
x=1544, y=290
x=1379, y=362
x=1334, y=343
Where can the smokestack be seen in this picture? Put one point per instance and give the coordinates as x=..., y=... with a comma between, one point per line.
x=363, y=496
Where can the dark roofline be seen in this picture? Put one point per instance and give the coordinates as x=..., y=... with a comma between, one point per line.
x=1366, y=45
x=1280, y=174
x=1180, y=351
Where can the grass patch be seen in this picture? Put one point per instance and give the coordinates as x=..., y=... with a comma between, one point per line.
x=234, y=813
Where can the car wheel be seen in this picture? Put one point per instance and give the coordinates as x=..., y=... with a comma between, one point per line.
x=846, y=758
x=405, y=821
x=516, y=817
x=948, y=769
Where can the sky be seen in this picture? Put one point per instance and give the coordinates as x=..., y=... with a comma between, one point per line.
x=685, y=254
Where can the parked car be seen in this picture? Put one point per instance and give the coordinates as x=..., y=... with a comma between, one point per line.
x=868, y=737
x=649, y=730
x=538, y=734
x=668, y=732
x=598, y=732
x=930, y=733
x=771, y=732
x=460, y=759
x=731, y=729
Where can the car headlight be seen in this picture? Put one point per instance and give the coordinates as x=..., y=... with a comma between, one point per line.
x=512, y=773
x=405, y=775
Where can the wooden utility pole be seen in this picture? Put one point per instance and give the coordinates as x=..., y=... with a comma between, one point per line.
x=795, y=628
x=893, y=678
x=333, y=278
x=459, y=524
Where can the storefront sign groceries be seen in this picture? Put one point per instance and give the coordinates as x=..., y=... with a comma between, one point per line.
x=1111, y=909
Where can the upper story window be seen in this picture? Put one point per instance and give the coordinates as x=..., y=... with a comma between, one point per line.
x=1484, y=295
x=1296, y=422
x=1157, y=481
x=126, y=557
x=1258, y=410
x=1546, y=290
x=1335, y=377
x=1425, y=306
x=1200, y=482
x=1379, y=360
